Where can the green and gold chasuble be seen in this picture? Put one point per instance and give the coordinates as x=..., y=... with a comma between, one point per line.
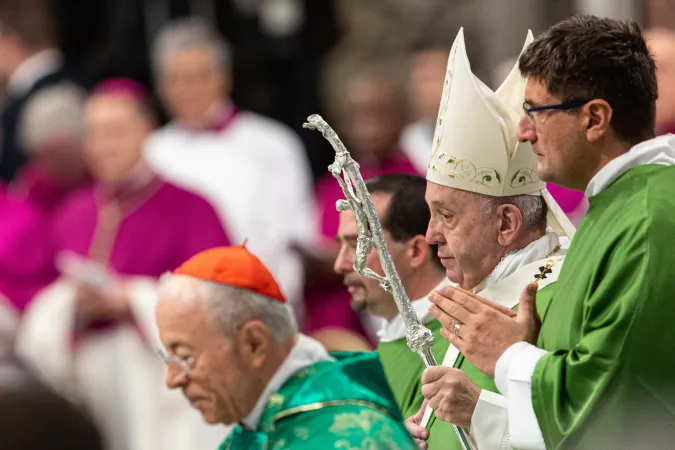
x=404, y=369
x=608, y=379
x=343, y=404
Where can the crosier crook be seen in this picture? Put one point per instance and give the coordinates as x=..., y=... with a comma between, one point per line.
x=420, y=340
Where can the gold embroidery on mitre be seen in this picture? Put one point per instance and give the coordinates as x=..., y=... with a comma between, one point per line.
x=447, y=85
x=523, y=177
x=465, y=170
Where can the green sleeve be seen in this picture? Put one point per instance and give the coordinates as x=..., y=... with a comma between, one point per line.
x=404, y=369
x=589, y=394
x=342, y=427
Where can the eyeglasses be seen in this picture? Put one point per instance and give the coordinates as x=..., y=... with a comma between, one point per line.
x=529, y=109
x=184, y=363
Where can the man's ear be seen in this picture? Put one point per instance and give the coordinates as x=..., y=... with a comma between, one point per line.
x=510, y=224
x=253, y=342
x=419, y=251
x=598, y=119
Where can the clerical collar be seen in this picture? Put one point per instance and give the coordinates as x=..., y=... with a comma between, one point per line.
x=395, y=328
x=535, y=251
x=660, y=150
x=228, y=113
x=305, y=352
x=141, y=178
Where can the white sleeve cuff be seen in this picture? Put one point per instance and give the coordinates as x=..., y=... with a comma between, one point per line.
x=489, y=423
x=513, y=377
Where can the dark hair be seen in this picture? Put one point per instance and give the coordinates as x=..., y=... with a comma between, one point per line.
x=37, y=418
x=407, y=214
x=30, y=20
x=587, y=57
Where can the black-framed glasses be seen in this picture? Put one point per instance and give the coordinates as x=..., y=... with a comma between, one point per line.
x=529, y=109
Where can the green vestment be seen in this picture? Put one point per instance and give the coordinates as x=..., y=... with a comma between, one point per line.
x=404, y=368
x=344, y=404
x=608, y=379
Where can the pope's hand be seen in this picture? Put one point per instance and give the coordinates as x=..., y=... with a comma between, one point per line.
x=481, y=329
x=417, y=431
x=451, y=394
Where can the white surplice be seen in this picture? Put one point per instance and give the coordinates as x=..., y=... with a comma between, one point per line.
x=254, y=172
x=114, y=373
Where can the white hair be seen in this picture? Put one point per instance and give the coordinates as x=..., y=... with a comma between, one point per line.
x=531, y=207
x=188, y=33
x=54, y=111
x=233, y=307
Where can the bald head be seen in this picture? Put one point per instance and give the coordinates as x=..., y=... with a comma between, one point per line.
x=661, y=43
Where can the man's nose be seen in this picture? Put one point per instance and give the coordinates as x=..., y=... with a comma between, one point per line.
x=431, y=235
x=525, y=131
x=174, y=378
x=344, y=263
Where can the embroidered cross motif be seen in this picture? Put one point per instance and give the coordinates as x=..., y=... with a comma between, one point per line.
x=543, y=271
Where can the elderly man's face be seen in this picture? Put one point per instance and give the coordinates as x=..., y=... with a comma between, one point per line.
x=367, y=295
x=220, y=382
x=191, y=83
x=467, y=240
x=376, y=117
x=426, y=82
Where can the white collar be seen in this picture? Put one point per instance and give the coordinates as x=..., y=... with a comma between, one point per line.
x=395, y=328
x=32, y=69
x=535, y=251
x=305, y=352
x=660, y=150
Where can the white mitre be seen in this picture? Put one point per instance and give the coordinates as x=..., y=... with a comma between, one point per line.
x=475, y=147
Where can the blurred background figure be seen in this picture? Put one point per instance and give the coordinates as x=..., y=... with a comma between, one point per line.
x=91, y=334
x=26, y=263
x=36, y=418
x=30, y=62
x=376, y=115
x=252, y=168
x=425, y=88
x=50, y=132
x=661, y=42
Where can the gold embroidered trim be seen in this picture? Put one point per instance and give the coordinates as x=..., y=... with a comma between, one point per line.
x=319, y=405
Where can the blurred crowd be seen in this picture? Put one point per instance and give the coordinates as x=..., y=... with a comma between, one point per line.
x=113, y=174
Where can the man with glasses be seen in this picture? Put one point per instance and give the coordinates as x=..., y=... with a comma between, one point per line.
x=601, y=373
x=233, y=348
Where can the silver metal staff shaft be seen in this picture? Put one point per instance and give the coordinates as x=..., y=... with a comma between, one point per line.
x=346, y=171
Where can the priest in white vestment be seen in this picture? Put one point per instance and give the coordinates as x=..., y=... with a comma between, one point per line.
x=251, y=168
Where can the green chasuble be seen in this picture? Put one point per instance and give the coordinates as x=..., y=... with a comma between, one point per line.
x=344, y=404
x=404, y=368
x=608, y=379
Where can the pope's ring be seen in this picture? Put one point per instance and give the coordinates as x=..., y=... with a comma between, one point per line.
x=456, y=330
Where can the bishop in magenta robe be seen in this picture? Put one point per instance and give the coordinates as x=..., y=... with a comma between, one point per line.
x=25, y=262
